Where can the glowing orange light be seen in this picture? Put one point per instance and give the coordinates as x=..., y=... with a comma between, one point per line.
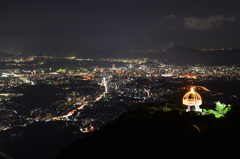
x=192, y=98
x=192, y=90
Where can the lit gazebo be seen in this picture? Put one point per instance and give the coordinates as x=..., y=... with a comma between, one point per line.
x=192, y=99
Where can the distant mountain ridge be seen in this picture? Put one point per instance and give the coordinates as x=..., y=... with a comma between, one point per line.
x=179, y=55
x=4, y=54
x=175, y=55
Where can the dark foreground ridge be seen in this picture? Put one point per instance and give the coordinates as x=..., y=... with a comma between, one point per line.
x=151, y=132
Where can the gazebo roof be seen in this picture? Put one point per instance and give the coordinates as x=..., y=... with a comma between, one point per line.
x=192, y=98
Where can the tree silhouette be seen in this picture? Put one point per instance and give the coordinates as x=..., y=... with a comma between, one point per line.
x=221, y=110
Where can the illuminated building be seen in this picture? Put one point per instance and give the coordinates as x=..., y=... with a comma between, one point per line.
x=104, y=83
x=192, y=99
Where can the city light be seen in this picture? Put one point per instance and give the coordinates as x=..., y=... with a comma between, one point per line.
x=100, y=93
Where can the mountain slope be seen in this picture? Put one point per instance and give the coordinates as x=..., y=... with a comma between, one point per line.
x=135, y=134
x=150, y=132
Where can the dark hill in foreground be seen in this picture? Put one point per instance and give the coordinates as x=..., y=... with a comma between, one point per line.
x=40, y=140
x=150, y=132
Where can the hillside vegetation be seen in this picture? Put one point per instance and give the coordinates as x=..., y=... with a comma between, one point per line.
x=149, y=131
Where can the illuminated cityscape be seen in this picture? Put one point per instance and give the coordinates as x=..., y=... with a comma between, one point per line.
x=87, y=95
x=133, y=81
x=119, y=79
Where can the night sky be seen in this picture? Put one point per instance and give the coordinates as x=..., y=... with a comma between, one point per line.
x=117, y=25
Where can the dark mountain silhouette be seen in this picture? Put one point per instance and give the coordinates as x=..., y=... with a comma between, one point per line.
x=119, y=54
x=4, y=156
x=177, y=55
x=181, y=55
x=40, y=140
x=37, y=96
x=4, y=54
x=150, y=132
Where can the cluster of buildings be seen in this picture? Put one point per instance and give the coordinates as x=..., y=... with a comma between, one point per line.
x=94, y=92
